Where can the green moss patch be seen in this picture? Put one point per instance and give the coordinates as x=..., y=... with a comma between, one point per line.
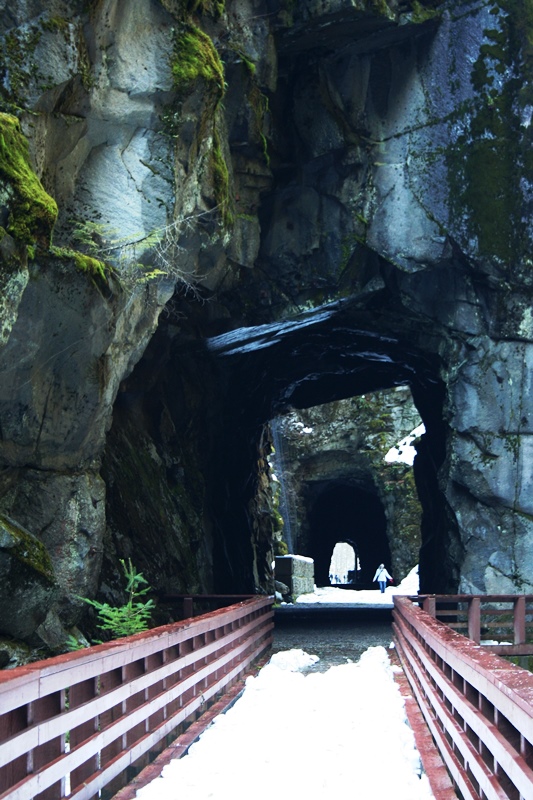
x=421, y=12
x=25, y=547
x=221, y=180
x=55, y=24
x=90, y=266
x=214, y=7
x=32, y=211
x=195, y=58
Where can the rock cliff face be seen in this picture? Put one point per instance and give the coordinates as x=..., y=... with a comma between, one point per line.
x=213, y=212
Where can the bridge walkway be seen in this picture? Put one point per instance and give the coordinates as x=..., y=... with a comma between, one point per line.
x=470, y=711
x=74, y=725
x=337, y=634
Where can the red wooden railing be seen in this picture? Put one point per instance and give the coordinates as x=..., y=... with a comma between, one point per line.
x=501, y=622
x=478, y=707
x=191, y=605
x=81, y=724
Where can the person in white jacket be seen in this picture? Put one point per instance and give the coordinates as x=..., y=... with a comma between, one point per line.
x=381, y=577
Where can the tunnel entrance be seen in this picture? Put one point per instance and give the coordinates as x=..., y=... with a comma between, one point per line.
x=341, y=512
x=347, y=444
x=344, y=564
x=331, y=353
x=205, y=413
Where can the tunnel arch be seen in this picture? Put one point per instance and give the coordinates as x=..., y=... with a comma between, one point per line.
x=333, y=352
x=347, y=442
x=344, y=512
x=208, y=403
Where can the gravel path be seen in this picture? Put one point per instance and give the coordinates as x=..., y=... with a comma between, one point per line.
x=334, y=642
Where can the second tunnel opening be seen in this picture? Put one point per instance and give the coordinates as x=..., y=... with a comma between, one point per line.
x=342, y=512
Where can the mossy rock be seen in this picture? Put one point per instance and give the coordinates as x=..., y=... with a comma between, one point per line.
x=32, y=211
x=96, y=269
x=196, y=58
x=221, y=180
x=25, y=547
x=490, y=161
x=14, y=654
x=27, y=580
x=280, y=548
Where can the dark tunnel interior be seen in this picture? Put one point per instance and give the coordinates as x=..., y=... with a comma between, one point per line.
x=342, y=512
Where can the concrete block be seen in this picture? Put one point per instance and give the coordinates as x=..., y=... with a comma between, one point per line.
x=298, y=572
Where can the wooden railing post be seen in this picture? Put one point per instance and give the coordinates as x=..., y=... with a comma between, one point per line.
x=42, y=710
x=520, y=620
x=187, y=607
x=429, y=605
x=474, y=619
x=79, y=694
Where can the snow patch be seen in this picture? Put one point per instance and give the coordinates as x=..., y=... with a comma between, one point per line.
x=404, y=450
x=286, y=735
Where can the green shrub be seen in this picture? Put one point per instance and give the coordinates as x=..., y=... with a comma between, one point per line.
x=134, y=616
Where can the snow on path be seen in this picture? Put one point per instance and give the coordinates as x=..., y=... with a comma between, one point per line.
x=305, y=736
x=368, y=597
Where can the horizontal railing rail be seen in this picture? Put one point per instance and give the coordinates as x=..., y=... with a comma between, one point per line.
x=82, y=724
x=191, y=605
x=478, y=707
x=502, y=623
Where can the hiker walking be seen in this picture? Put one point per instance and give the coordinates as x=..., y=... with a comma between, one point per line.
x=381, y=577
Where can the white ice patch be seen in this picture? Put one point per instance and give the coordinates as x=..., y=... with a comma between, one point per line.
x=245, y=340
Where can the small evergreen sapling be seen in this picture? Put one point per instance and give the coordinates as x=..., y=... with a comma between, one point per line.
x=134, y=616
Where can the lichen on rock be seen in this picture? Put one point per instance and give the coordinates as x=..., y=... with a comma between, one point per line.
x=490, y=161
x=12, y=285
